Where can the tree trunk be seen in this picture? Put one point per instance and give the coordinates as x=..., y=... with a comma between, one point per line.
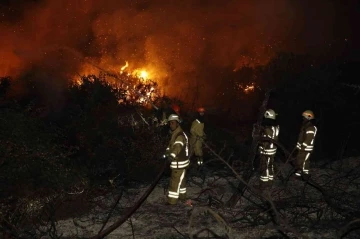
x=252, y=152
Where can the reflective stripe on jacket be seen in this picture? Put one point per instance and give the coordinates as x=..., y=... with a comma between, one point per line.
x=268, y=148
x=178, y=148
x=306, y=137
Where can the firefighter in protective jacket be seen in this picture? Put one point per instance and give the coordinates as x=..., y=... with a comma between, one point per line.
x=178, y=154
x=267, y=149
x=197, y=136
x=173, y=109
x=305, y=144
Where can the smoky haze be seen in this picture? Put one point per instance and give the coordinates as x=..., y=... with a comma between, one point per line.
x=176, y=41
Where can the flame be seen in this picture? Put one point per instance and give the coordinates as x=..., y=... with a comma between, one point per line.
x=138, y=73
x=124, y=67
x=137, y=85
x=248, y=88
x=143, y=74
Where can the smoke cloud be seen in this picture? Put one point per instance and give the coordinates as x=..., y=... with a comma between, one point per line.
x=176, y=41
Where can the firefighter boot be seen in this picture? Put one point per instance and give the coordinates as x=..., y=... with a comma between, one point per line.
x=171, y=201
x=182, y=197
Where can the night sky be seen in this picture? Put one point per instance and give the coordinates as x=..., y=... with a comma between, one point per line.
x=170, y=39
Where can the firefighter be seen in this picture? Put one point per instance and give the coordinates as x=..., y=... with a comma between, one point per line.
x=267, y=150
x=173, y=109
x=176, y=109
x=305, y=144
x=197, y=136
x=177, y=153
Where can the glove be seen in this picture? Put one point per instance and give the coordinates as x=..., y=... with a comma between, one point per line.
x=166, y=154
x=170, y=158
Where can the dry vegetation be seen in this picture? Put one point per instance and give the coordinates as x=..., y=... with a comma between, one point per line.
x=92, y=168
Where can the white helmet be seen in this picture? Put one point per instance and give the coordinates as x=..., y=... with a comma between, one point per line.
x=270, y=114
x=174, y=117
x=308, y=114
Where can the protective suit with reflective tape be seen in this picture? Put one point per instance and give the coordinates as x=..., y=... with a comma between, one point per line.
x=267, y=150
x=197, y=138
x=178, y=154
x=305, y=144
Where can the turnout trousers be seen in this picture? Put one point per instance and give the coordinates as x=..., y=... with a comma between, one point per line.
x=177, y=186
x=302, y=162
x=197, y=148
x=266, y=168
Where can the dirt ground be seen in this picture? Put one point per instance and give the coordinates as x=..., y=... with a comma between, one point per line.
x=196, y=217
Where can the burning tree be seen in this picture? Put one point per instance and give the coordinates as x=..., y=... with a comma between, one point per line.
x=100, y=139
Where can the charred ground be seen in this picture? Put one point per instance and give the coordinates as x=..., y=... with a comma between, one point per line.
x=62, y=148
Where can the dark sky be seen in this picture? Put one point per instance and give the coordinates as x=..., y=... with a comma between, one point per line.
x=170, y=38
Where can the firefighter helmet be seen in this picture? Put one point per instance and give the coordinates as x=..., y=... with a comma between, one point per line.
x=176, y=108
x=201, y=110
x=308, y=114
x=174, y=117
x=270, y=114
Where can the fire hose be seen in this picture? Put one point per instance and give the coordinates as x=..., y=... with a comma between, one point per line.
x=132, y=210
x=326, y=195
x=288, y=155
x=249, y=173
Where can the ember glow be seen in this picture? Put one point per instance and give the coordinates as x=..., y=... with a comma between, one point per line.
x=144, y=75
x=124, y=67
x=139, y=87
x=248, y=88
x=174, y=42
x=135, y=89
x=140, y=73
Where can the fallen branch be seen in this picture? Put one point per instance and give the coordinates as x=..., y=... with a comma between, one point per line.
x=139, y=113
x=242, y=185
x=112, y=209
x=131, y=211
x=216, y=216
x=184, y=236
x=353, y=225
x=327, y=197
x=275, y=214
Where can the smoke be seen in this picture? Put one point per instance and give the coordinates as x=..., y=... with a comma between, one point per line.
x=176, y=41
